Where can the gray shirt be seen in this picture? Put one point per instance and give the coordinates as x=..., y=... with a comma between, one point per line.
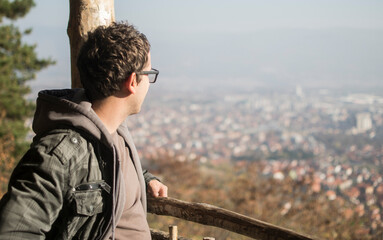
x=133, y=223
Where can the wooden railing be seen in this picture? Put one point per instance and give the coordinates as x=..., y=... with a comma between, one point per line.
x=207, y=214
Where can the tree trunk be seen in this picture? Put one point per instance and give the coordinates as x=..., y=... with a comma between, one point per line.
x=85, y=15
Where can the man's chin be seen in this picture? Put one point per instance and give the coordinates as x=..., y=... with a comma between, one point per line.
x=136, y=111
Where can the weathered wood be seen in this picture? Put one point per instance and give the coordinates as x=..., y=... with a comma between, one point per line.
x=160, y=235
x=214, y=216
x=84, y=16
x=173, y=232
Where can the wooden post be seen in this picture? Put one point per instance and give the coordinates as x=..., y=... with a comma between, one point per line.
x=207, y=214
x=173, y=232
x=84, y=16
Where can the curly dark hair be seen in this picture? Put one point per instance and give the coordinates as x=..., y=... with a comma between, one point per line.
x=109, y=56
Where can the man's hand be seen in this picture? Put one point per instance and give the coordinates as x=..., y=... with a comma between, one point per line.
x=157, y=189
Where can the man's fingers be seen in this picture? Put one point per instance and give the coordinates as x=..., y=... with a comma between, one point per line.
x=157, y=189
x=163, y=191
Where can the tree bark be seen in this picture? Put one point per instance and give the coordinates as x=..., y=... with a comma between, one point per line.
x=85, y=16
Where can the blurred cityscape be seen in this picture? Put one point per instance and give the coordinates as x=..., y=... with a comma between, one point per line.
x=335, y=138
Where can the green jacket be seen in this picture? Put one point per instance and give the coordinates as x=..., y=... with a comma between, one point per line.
x=63, y=186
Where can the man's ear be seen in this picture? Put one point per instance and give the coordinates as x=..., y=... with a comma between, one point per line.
x=130, y=83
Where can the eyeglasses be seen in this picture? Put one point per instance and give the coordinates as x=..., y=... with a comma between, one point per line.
x=152, y=74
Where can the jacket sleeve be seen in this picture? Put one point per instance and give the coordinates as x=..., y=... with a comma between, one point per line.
x=149, y=177
x=34, y=198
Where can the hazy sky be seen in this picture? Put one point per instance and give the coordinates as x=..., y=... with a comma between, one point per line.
x=237, y=44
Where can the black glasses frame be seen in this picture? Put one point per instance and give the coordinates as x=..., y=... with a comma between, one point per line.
x=152, y=71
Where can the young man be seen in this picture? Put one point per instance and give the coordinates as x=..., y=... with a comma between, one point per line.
x=82, y=178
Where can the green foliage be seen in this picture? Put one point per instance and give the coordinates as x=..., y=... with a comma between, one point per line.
x=18, y=64
x=15, y=9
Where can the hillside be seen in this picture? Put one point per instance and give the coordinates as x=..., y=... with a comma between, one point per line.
x=243, y=188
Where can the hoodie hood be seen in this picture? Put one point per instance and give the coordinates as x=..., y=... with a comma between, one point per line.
x=68, y=108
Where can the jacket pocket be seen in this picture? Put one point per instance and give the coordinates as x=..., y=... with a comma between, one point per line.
x=88, y=202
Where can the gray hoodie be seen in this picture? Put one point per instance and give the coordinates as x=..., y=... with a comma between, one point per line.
x=72, y=164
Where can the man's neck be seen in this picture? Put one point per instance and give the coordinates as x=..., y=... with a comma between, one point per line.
x=111, y=112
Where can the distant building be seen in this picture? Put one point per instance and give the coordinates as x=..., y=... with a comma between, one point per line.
x=299, y=91
x=363, y=122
